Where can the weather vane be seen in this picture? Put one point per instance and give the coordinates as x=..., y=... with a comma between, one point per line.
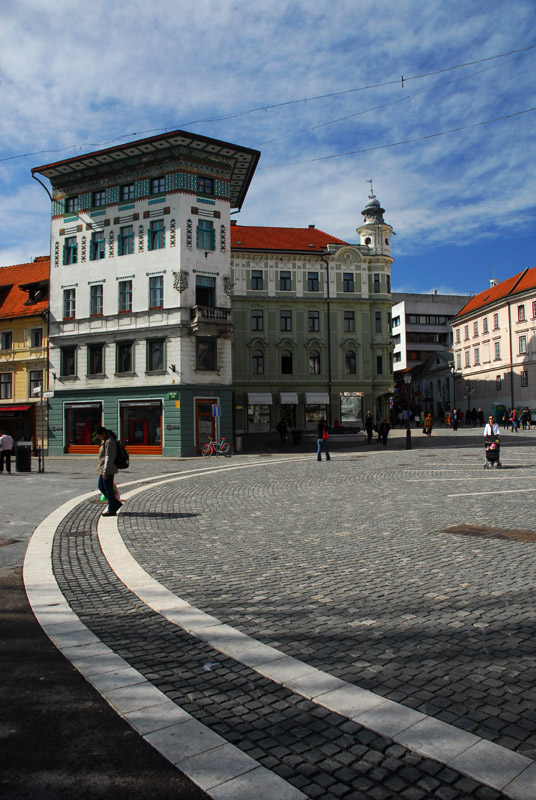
x=371, y=192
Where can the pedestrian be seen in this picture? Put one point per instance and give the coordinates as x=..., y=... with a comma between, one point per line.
x=282, y=429
x=369, y=425
x=6, y=446
x=383, y=430
x=322, y=441
x=454, y=419
x=480, y=415
x=492, y=428
x=108, y=469
x=514, y=420
x=429, y=424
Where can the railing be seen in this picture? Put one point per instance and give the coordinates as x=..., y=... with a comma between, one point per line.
x=210, y=314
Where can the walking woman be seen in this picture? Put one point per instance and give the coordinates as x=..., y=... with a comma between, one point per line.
x=107, y=470
x=429, y=424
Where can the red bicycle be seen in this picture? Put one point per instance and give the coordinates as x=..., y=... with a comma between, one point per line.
x=217, y=448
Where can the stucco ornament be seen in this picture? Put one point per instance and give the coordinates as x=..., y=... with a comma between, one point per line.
x=180, y=280
x=228, y=286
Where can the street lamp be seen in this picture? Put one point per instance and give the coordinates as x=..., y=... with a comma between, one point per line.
x=407, y=381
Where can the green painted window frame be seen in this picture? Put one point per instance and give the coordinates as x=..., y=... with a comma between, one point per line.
x=155, y=348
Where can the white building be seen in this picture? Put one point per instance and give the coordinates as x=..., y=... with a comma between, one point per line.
x=140, y=309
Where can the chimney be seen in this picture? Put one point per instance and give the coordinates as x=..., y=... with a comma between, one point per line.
x=493, y=282
x=311, y=226
x=233, y=222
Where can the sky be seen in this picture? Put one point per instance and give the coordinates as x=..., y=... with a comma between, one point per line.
x=316, y=87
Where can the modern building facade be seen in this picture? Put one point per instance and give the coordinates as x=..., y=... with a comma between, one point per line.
x=23, y=349
x=312, y=324
x=140, y=306
x=495, y=346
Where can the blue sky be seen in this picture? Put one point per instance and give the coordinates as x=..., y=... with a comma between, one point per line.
x=78, y=76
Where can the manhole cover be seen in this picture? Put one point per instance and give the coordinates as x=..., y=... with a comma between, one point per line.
x=493, y=533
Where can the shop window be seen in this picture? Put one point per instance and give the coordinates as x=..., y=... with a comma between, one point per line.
x=124, y=355
x=155, y=355
x=81, y=423
x=313, y=414
x=6, y=385
x=259, y=418
x=68, y=362
x=141, y=423
x=206, y=355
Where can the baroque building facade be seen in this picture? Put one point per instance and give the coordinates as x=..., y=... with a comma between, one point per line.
x=140, y=307
x=312, y=325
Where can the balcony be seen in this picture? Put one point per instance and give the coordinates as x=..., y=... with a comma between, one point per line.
x=211, y=321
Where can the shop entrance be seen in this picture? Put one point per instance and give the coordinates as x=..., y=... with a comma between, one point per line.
x=205, y=423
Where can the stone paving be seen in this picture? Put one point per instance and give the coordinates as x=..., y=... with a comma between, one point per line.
x=348, y=566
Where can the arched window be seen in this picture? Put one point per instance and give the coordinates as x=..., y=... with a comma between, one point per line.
x=350, y=363
x=314, y=362
x=258, y=362
x=286, y=362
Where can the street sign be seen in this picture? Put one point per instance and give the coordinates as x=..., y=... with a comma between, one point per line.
x=48, y=394
x=216, y=411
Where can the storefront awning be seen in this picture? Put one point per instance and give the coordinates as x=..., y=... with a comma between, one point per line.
x=288, y=398
x=316, y=399
x=15, y=408
x=260, y=398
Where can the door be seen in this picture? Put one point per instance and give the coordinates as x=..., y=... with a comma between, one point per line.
x=205, y=423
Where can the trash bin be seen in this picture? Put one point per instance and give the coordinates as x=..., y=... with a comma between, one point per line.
x=23, y=457
x=296, y=437
x=238, y=444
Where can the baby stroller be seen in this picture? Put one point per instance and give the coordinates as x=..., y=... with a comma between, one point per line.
x=493, y=453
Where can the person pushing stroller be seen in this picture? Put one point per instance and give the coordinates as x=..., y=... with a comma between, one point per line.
x=492, y=444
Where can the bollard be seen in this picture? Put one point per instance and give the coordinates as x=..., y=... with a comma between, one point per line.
x=408, y=437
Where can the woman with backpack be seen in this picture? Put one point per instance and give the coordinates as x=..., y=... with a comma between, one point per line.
x=108, y=469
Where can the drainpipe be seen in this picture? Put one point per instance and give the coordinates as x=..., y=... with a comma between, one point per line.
x=326, y=262
x=511, y=358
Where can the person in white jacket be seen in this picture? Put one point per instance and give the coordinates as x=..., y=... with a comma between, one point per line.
x=491, y=428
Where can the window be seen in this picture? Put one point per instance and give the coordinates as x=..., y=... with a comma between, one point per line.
x=350, y=362
x=396, y=322
x=157, y=235
x=347, y=282
x=495, y=321
x=156, y=291
x=379, y=365
x=69, y=303
x=477, y=356
x=314, y=362
x=521, y=313
x=68, y=362
x=284, y=281
x=36, y=337
x=522, y=341
x=497, y=351
x=349, y=321
x=458, y=360
x=458, y=335
x=70, y=250
x=314, y=320
x=256, y=279
x=95, y=359
x=205, y=185
x=6, y=340
x=498, y=382
x=378, y=321
x=96, y=300
x=124, y=357
x=127, y=192
x=99, y=198
x=125, y=296
x=125, y=241
x=71, y=205
x=36, y=380
x=467, y=358
x=285, y=320
x=158, y=185
x=97, y=246
x=485, y=325
x=155, y=355
x=475, y=328
x=286, y=362
x=398, y=357
x=388, y=284
x=258, y=362
x=206, y=354
x=6, y=385
x=257, y=320
x=206, y=237
x=466, y=331
x=524, y=378
x=533, y=309
x=312, y=281
x=397, y=338
x=376, y=283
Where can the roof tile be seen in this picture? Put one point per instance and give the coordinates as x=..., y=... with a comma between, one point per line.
x=522, y=282
x=12, y=298
x=253, y=237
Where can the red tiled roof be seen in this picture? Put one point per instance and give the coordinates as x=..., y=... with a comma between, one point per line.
x=252, y=237
x=12, y=298
x=522, y=282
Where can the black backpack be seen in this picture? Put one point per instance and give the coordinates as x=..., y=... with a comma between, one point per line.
x=122, y=459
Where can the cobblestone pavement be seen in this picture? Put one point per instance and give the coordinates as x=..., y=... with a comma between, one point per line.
x=351, y=566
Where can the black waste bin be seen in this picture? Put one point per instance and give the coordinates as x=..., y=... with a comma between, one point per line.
x=23, y=457
x=296, y=437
